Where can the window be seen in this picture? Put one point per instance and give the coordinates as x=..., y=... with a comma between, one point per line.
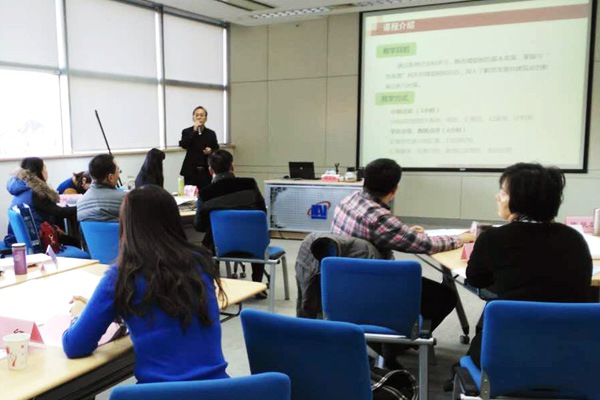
x=137, y=65
x=30, y=115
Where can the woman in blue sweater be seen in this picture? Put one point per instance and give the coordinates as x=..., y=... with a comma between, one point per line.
x=164, y=289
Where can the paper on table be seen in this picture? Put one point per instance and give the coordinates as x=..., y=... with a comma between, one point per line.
x=184, y=199
x=47, y=298
x=445, y=232
x=462, y=272
x=30, y=259
x=52, y=331
x=594, y=245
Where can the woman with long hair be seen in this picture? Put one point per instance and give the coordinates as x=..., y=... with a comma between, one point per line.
x=151, y=172
x=164, y=288
x=28, y=185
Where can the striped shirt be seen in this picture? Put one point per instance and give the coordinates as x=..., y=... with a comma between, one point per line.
x=100, y=203
x=365, y=216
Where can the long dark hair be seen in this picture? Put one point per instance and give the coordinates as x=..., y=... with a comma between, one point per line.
x=152, y=170
x=153, y=245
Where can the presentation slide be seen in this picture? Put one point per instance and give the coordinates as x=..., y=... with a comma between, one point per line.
x=476, y=87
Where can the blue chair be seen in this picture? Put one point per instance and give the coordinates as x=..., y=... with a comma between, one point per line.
x=31, y=239
x=383, y=297
x=325, y=360
x=102, y=239
x=535, y=350
x=242, y=236
x=270, y=386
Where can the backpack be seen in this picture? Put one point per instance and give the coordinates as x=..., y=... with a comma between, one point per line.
x=398, y=384
x=49, y=237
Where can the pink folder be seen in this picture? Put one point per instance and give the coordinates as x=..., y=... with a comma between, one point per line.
x=466, y=252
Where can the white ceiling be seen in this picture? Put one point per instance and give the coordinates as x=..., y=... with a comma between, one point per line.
x=228, y=13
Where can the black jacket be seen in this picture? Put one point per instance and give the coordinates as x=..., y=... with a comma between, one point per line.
x=227, y=194
x=532, y=262
x=195, y=164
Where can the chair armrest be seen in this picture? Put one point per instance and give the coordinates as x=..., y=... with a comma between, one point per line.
x=466, y=382
x=425, y=331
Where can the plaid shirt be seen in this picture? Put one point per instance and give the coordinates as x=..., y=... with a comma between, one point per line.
x=367, y=217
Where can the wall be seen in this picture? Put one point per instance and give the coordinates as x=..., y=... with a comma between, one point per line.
x=294, y=94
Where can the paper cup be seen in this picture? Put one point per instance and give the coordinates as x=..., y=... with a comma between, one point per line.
x=17, y=348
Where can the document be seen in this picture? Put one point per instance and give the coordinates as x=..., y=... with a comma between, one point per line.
x=445, y=232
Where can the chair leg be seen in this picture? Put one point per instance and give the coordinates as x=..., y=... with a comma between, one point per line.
x=272, y=287
x=228, y=268
x=286, y=283
x=380, y=362
x=423, y=372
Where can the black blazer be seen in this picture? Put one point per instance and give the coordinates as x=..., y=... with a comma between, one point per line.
x=227, y=194
x=195, y=164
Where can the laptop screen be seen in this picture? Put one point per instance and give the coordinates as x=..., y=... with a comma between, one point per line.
x=302, y=170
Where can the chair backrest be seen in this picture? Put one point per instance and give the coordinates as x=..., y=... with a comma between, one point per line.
x=325, y=360
x=542, y=349
x=25, y=232
x=269, y=386
x=102, y=240
x=383, y=293
x=240, y=232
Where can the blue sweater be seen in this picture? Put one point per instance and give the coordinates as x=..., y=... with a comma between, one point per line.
x=163, y=351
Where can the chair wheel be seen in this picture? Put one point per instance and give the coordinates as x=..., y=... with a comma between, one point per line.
x=464, y=339
x=242, y=275
x=234, y=276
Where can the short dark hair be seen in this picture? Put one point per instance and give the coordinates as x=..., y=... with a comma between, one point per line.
x=35, y=165
x=220, y=161
x=101, y=166
x=534, y=191
x=199, y=107
x=382, y=176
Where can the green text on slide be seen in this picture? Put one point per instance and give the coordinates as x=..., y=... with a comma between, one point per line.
x=396, y=50
x=386, y=98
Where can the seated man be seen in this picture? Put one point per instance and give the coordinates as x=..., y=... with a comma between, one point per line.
x=227, y=192
x=367, y=215
x=102, y=200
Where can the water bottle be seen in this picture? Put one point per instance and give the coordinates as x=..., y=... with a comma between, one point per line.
x=130, y=183
x=180, y=185
x=597, y=222
x=20, y=262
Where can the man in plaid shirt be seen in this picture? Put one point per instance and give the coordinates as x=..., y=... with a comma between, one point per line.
x=367, y=215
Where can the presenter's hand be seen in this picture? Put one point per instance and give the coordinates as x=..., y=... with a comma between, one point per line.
x=207, y=150
x=417, y=228
x=79, y=303
x=466, y=237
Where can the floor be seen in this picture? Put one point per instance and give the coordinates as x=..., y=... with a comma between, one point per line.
x=447, y=351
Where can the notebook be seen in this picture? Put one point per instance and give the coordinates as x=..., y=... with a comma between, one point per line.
x=302, y=170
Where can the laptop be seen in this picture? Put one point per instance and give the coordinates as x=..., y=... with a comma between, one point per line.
x=302, y=170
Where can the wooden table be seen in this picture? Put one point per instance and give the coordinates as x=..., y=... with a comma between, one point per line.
x=448, y=263
x=51, y=375
x=8, y=278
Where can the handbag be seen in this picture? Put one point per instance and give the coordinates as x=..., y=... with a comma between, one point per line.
x=49, y=236
x=397, y=384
